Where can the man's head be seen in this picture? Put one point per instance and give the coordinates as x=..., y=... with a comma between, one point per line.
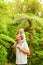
x=18, y=38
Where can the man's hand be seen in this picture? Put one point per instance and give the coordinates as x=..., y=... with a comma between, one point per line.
x=14, y=47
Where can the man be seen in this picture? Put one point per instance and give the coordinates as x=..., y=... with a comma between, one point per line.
x=22, y=50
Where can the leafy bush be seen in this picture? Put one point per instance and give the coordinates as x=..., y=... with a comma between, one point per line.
x=9, y=29
x=3, y=55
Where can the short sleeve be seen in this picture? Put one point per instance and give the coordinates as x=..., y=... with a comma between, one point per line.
x=26, y=46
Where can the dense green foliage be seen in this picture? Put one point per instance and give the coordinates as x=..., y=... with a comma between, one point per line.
x=14, y=16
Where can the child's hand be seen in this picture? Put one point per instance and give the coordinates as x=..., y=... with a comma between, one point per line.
x=13, y=46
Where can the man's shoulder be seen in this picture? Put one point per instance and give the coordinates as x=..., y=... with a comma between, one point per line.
x=24, y=42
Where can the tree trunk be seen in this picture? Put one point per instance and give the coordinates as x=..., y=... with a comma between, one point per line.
x=31, y=37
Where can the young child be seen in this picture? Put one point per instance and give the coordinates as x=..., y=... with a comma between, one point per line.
x=22, y=34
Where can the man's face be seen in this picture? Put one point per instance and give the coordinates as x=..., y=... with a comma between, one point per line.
x=18, y=38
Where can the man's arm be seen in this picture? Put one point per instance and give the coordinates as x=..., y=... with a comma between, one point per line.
x=23, y=50
x=14, y=48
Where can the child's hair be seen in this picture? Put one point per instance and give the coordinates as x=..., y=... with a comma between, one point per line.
x=21, y=30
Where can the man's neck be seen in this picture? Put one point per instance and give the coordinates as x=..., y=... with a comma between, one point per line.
x=19, y=42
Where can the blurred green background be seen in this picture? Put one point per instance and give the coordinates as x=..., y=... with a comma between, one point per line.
x=15, y=15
